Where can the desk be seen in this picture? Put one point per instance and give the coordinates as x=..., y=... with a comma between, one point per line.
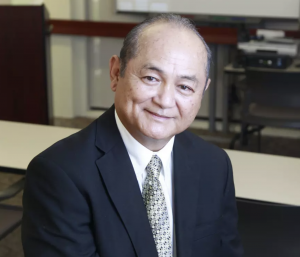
x=20, y=142
x=264, y=177
x=230, y=70
x=258, y=177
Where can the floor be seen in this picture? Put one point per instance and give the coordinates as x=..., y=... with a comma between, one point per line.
x=11, y=245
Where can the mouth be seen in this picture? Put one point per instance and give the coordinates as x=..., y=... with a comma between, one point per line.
x=158, y=115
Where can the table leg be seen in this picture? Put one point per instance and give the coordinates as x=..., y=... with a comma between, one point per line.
x=213, y=91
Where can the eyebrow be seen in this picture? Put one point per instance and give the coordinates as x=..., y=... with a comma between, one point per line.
x=152, y=67
x=191, y=78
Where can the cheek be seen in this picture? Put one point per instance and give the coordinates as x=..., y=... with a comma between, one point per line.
x=189, y=108
x=130, y=93
x=140, y=93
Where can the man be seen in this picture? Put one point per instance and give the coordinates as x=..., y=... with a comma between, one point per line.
x=134, y=182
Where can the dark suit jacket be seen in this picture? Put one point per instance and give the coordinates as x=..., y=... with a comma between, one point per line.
x=82, y=199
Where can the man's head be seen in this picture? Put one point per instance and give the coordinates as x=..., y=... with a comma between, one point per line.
x=160, y=77
x=130, y=44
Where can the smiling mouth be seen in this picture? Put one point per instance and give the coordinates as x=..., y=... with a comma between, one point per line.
x=157, y=115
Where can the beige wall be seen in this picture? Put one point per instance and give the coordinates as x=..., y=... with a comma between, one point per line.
x=59, y=9
x=4, y=2
x=104, y=10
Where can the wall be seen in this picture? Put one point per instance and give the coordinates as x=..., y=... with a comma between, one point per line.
x=76, y=61
x=61, y=61
x=80, y=64
x=100, y=49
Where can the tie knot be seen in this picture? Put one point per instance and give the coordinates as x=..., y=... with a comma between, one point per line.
x=154, y=166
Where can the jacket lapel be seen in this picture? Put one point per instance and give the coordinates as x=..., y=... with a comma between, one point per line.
x=118, y=175
x=186, y=191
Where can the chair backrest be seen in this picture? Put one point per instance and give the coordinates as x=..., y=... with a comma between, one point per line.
x=269, y=230
x=273, y=88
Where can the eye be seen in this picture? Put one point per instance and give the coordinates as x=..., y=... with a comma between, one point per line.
x=185, y=88
x=150, y=79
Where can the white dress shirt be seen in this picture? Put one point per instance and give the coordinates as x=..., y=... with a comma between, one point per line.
x=140, y=156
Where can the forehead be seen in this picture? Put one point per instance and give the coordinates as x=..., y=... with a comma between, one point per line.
x=171, y=45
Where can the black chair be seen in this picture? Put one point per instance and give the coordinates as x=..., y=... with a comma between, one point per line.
x=272, y=98
x=10, y=216
x=269, y=230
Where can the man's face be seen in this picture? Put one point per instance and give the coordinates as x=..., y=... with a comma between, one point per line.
x=160, y=93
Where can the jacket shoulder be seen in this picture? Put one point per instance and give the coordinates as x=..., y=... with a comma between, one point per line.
x=199, y=145
x=212, y=159
x=74, y=151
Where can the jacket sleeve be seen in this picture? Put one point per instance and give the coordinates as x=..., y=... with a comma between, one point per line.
x=56, y=219
x=231, y=244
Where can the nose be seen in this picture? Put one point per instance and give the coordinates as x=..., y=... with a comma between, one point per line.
x=165, y=96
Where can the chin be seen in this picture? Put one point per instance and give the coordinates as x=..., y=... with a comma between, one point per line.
x=158, y=134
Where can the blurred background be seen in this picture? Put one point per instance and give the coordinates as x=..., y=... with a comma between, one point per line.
x=54, y=71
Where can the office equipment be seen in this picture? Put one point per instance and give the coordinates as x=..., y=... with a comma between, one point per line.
x=269, y=34
x=270, y=46
x=255, y=8
x=269, y=229
x=25, y=87
x=267, y=60
x=269, y=50
x=258, y=177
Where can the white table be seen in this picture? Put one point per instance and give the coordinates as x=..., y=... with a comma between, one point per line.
x=266, y=177
x=259, y=177
x=20, y=142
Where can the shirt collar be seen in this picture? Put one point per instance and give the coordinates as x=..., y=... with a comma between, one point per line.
x=140, y=153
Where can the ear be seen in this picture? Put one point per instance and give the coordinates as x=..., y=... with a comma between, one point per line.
x=207, y=84
x=114, y=72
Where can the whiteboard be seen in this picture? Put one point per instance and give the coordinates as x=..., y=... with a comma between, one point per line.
x=243, y=8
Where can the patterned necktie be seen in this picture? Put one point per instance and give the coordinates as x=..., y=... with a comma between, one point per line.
x=156, y=206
